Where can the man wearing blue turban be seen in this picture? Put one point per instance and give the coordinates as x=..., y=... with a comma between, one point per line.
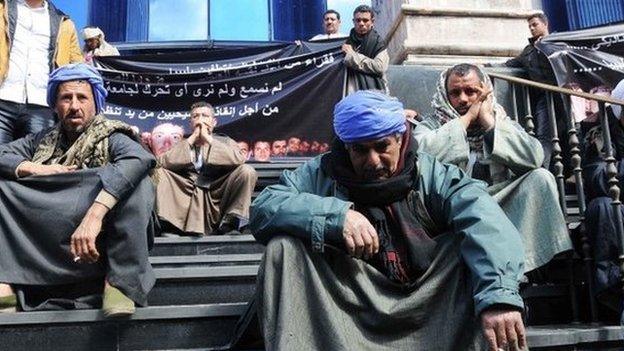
x=87, y=178
x=374, y=246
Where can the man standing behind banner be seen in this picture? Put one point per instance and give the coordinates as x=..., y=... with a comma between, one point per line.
x=366, y=55
x=96, y=45
x=331, y=25
x=37, y=37
x=204, y=187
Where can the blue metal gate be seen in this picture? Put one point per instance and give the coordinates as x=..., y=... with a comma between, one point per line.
x=591, y=13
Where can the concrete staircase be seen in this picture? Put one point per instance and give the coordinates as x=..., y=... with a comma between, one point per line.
x=203, y=286
x=198, y=298
x=201, y=291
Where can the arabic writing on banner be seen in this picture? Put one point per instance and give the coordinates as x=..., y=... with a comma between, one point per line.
x=589, y=60
x=262, y=96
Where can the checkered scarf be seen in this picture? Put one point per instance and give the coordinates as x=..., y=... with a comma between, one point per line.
x=444, y=111
x=90, y=150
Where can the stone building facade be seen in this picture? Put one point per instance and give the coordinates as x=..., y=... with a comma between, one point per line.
x=445, y=32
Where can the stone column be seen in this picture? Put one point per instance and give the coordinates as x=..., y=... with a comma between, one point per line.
x=446, y=32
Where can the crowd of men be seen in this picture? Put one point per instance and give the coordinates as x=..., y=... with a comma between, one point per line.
x=404, y=234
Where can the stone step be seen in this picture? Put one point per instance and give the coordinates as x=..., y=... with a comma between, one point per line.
x=576, y=338
x=206, y=245
x=211, y=327
x=203, y=285
x=207, y=327
x=269, y=173
x=190, y=261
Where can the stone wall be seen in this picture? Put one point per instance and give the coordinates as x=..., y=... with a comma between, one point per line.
x=444, y=32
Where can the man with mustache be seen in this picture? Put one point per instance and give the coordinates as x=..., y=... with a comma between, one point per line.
x=331, y=25
x=469, y=129
x=293, y=146
x=375, y=239
x=76, y=215
x=279, y=148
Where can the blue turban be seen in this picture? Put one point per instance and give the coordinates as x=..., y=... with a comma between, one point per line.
x=367, y=115
x=77, y=71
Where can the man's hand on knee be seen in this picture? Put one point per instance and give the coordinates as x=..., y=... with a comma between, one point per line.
x=503, y=329
x=359, y=236
x=28, y=168
x=84, y=237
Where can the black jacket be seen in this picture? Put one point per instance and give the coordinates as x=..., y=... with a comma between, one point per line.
x=535, y=63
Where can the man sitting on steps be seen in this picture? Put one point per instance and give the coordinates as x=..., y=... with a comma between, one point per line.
x=76, y=208
x=374, y=246
x=203, y=184
x=469, y=129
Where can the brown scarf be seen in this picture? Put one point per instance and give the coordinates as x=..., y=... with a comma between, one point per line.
x=90, y=150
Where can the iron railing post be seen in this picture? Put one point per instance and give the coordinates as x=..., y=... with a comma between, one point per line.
x=529, y=124
x=577, y=169
x=556, y=154
x=516, y=115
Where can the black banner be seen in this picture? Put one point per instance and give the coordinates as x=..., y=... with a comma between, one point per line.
x=267, y=93
x=589, y=60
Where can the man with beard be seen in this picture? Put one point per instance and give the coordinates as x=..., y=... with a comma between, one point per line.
x=293, y=146
x=373, y=246
x=469, y=129
x=304, y=148
x=315, y=147
x=77, y=202
x=278, y=148
x=366, y=56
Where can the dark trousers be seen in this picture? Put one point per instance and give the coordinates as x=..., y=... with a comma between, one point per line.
x=543, y=130
x=606, y=246
x=18, y=120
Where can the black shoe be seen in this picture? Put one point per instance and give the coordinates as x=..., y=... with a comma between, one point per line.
x=229, y=226
x=224, y=231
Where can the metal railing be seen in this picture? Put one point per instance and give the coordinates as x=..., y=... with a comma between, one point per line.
x=575, y=164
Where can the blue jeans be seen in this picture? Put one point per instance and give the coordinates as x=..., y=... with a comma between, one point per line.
x=18, y=120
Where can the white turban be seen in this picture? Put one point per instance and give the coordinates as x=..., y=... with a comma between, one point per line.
x=92, y=32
